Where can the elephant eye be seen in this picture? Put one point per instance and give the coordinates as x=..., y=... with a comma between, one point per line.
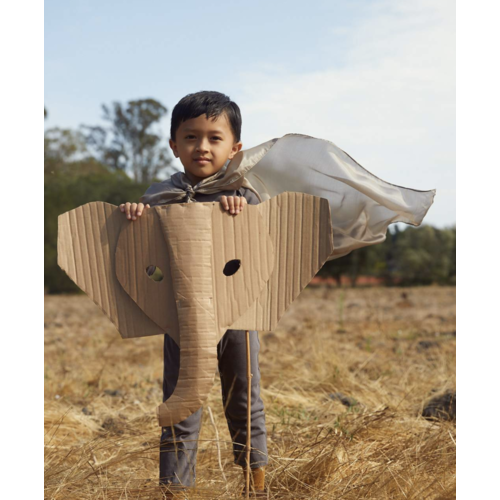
x=154, y=273
x=231, y=267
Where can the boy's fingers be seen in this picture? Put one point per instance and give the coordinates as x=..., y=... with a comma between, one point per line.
x=223, y=200
x=230, y=201
x=127, y=209
x=122, y=207
x=237, y=204
x=242, y=203
x=141, y=207
x=133, y=211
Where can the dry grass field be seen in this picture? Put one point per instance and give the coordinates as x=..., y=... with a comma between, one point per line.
x=387, y=349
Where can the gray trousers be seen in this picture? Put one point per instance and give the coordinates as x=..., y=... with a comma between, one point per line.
x=179, y=444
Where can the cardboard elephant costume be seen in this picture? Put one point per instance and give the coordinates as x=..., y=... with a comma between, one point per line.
x=280, y=245
x=338, y=206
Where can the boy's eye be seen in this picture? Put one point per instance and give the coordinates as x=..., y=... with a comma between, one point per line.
x=216, y=138
x=191, y=136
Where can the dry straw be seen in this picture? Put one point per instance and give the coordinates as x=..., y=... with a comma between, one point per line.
x=343, y=404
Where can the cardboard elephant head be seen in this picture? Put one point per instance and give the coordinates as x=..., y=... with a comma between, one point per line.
x=219, y=271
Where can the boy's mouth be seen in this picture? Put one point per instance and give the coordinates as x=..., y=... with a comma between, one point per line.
x=202, y=161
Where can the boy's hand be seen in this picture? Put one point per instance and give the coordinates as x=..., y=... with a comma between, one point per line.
x=233, y=204
x=133, y=210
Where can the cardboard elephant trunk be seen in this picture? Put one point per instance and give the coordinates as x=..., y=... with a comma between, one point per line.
x=278, y=245
x=188, y=230
x=190, y=254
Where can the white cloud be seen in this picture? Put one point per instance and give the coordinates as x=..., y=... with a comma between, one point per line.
x=388, y=99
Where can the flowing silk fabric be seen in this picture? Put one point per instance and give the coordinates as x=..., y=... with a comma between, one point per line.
x=362, y=205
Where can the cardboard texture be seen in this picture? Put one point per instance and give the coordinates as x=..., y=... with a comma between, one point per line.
x=280, y=245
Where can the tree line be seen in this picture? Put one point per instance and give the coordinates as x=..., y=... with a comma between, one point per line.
x=118, y=161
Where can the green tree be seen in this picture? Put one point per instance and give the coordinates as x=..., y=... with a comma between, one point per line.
x=131, y=143
x=63, y=145
x=414, y=256
x=426, y=255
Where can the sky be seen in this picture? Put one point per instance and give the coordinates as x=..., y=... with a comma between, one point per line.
x=377, y=78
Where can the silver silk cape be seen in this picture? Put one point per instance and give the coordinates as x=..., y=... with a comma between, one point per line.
x=362, y=205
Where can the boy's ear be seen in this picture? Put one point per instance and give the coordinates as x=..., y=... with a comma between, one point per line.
x=173, y=147
x=235, y=149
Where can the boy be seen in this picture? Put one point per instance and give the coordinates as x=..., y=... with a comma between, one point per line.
x=205, y=134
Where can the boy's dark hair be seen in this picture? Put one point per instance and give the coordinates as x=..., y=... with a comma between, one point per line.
x=210, y=103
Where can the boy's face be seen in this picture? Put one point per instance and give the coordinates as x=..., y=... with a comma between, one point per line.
x=204, y=145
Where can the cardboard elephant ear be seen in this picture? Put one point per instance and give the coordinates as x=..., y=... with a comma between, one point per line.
x=301, y=232
x=86, y=244
x=278, y=245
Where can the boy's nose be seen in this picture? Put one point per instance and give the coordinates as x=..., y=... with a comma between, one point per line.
x=202, y=146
